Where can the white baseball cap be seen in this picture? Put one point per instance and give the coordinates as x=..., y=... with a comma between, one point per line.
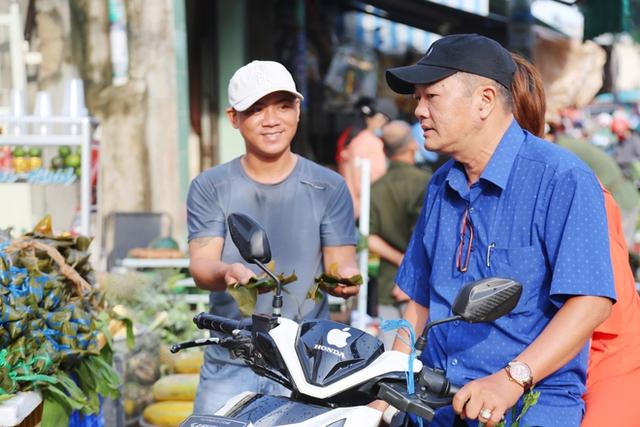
x=257, y=79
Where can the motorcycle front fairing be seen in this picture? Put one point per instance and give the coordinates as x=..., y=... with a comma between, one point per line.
x=329, y=361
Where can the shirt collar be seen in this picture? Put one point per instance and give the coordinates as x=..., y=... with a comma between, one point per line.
x=499, y=167
x=501, y=162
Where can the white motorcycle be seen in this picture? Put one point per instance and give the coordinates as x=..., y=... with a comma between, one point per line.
x=333, y=370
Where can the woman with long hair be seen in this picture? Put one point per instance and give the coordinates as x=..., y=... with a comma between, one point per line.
x=613, y=374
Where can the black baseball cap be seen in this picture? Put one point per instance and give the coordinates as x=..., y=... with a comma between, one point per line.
x=470, y=53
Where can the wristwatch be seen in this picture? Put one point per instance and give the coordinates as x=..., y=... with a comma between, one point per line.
x=519, y=372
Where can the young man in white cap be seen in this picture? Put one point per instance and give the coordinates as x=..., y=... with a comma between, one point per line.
x=305, y=209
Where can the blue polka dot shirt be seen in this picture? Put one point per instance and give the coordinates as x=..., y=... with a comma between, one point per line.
x=538, y=217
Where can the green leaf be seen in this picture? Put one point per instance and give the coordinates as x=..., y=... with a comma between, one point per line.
x=75, y=395
x=89, y=389
x=128, y=323
x=86, y=378
x=314, y=293
x=55, y=411
x=529, y=399
x=107, y=379
x=245, y=297
x=4, y=397
x=330, y=279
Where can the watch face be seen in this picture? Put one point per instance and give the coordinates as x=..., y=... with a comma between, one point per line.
x=520, y=371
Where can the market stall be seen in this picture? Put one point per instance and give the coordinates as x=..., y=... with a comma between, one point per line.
x=55, y=330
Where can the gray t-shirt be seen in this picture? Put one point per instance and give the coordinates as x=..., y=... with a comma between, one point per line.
x=308, y=210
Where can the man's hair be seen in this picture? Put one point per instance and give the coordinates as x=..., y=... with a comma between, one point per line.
x=528, y=96
x=397, y=137
x=472, y=81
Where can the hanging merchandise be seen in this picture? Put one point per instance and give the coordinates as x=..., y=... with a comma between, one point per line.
x=352, y=75
x=118, y=42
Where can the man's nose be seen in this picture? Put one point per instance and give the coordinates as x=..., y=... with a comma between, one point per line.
x=421, y=111
x=270, y=116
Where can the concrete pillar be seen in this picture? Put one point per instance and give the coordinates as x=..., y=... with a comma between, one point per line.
x=231, y=56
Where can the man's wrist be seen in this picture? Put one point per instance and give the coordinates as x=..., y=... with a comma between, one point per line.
x=516, y=388
x=520, y=373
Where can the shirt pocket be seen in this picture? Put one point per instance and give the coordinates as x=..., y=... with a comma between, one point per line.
x=525, y=264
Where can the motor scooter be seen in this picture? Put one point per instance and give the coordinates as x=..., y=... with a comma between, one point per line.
x=333, y=370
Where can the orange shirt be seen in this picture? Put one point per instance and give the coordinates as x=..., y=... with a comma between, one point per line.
x=365, y=145
x=613, y=375
x=615, y=344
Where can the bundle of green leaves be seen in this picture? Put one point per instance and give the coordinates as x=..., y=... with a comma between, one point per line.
x=52, y=323
x=329, y=280
x=246, y=294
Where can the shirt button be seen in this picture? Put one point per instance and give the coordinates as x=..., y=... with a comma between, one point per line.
x=456, y=323
x=454, y=362
x=471, y=210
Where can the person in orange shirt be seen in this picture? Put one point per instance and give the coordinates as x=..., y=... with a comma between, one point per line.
x=613, y=374
x=367, y=145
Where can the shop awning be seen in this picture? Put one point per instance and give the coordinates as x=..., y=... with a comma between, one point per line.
x=386, y=36
x=433, y=17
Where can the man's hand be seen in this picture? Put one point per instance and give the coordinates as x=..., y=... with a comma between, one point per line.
x=344, y=291
x=344, y=257
x=398, y=295
x=495, y=393
x=237, y=273
x=379, y=405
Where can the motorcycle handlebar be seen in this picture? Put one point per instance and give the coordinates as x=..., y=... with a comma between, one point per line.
x=220, y=324
x=453, y=389
x=436, y=382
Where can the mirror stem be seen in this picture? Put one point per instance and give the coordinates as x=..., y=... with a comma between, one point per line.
x=277, y=298
x=421, y=342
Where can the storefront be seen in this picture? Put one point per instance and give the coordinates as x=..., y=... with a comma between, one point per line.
x=310, y=37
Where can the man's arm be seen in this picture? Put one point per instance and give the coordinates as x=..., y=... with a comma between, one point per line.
x=378, y=245
x=564, y=336
x=417, y=316
x=344, y=257
x=207, y=269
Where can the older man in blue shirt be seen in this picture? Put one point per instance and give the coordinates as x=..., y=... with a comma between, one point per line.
x=512, y=205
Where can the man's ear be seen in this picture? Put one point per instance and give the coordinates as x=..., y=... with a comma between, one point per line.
x=488, y=98
x=298, y=107
x=232, y=115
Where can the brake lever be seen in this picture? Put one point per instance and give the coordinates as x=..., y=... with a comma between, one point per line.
x=195, y=343
x=229, y=342
x=396, y=395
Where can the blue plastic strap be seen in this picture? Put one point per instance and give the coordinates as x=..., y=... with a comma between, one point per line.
x=389, y=325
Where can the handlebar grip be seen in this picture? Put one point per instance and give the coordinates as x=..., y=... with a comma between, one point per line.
x=220, y=324
x=437, y=383
x=453, y=389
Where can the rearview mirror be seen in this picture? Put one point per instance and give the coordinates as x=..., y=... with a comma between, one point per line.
x=250, y=239
x=487, y=299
